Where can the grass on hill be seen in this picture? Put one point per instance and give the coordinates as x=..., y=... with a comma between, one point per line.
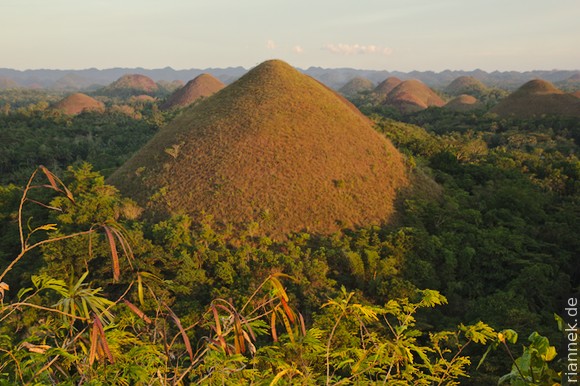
x=276, y=147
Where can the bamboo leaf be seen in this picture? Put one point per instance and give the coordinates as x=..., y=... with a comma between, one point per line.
x=103, y=339
x=137, y=311
x=182, y=331
x=287, y=310
x=140, y=289
x=114, y=254
x=273, y=326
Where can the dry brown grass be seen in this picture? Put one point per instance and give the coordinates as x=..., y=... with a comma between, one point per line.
x=134, y=83
x=203, y=85
x=538, y=97
x=464, y=103
x=387, y=85
x=275, y=147
x=77, y=103
x=413, y=95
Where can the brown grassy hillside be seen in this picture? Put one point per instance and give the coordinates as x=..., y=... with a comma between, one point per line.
x=203, y=85
x=413, y=95
x=466, y=85
x=355, y=86
x=538, y=97
x=77, y=103
x=387, y=85
x=464, y=103
x=131, y=84
x=276, y=147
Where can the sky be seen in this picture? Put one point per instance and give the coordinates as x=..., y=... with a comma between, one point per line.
x=394, y=35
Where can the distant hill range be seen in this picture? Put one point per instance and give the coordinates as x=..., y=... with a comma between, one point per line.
x=334, y=78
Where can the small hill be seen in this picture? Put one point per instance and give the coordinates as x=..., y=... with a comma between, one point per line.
x=466, y=85
x=77, y=103
x=355, y=86
x=464, y=103
x=7, y=83
x=203, y=85
x=131, y=85
x=276, y=147
x=538, y=97
x=413, y=95
x=387, y=85
x=576, y=94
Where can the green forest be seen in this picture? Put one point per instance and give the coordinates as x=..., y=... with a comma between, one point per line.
x=469, y=285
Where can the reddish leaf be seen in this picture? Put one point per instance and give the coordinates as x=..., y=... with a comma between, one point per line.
x=182, y=331
x=114, y=253
x=137, y=311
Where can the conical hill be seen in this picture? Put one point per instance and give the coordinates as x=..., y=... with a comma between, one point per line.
x=77, y=103
x=203, y=85
x=387, y=85
x=466, y=85
x=131, y=85
x=464, y=103
x=276, y=147
x=355, y=86
x=413, y=95
x=538, y=97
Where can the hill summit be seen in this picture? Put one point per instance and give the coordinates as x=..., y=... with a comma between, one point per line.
x=131, y=85
x=355, y=86
x=538, y=97
x=203, y=85
x=464, y=103
x=77, y=103
x=413, y=95
x=466, y=85
x=276, y=147
x=387, y=85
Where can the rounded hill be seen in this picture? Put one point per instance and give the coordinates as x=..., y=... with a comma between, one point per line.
x=131, y=85
x=387, y=85
x=413, y=95
x=536, y=98
x=77, y=103
x=276, y=147
x=203, y=85
x=356, y=86
x=464, y=103
x=466, y=85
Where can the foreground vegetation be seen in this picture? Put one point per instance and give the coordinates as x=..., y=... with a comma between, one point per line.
x=92, y=293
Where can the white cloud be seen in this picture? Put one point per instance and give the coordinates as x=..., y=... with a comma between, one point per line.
x=298, y=49
x=270, y=44
x=356, y=49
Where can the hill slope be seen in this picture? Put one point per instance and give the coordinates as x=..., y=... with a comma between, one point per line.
x=387, y=85
x=538, y=97
x=413, y=95
x=131, y=85
x=203, y=85
x=276, y=147
x=466, y=85
x=464, y=103
x=77, y=103
x=355, y=86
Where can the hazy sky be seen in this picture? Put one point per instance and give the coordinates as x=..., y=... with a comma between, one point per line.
x=370, y=34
